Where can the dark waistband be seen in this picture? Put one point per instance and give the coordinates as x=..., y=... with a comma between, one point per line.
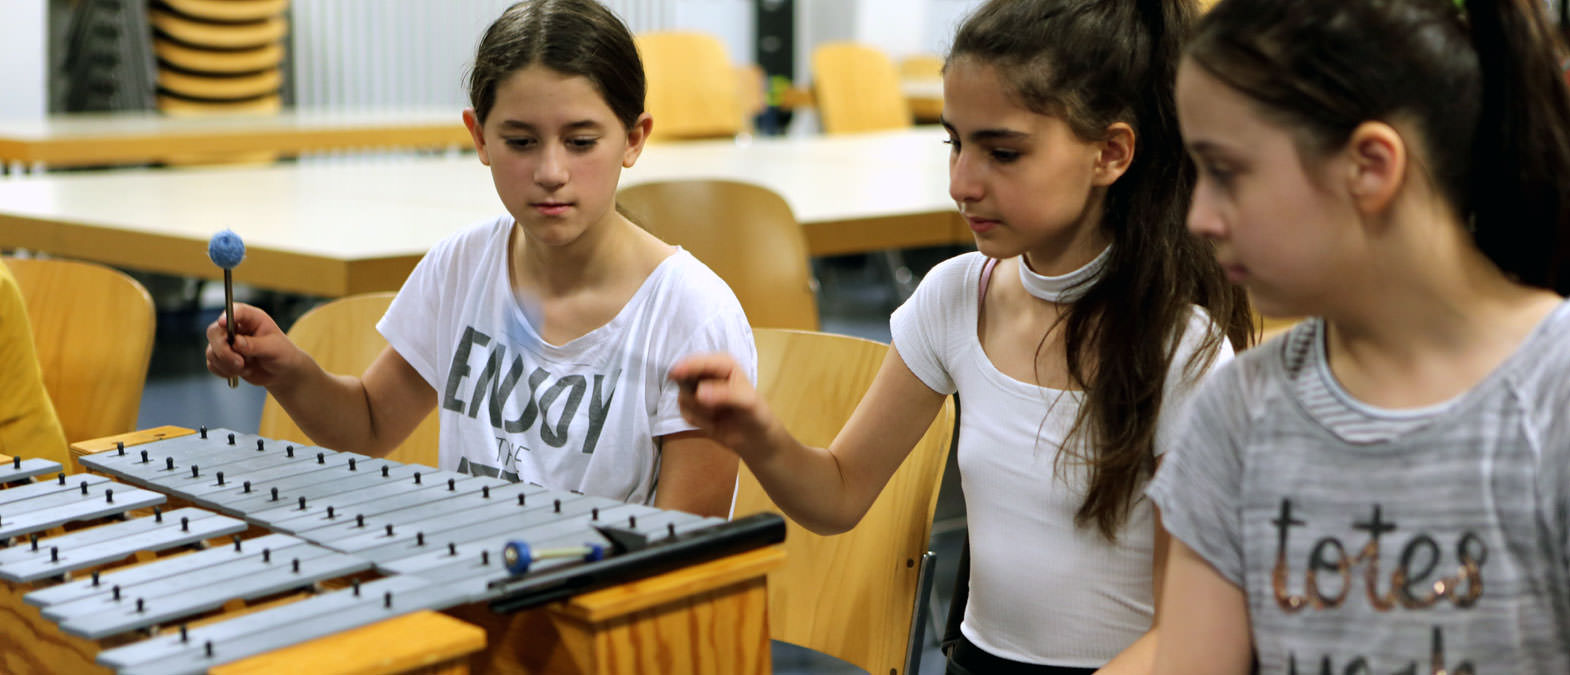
x=968, y=659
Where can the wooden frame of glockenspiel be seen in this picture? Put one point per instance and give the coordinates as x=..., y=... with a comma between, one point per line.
x=707, y=618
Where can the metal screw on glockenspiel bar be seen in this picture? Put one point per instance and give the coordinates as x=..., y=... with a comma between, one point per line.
x=158, y=514
x=207, y=648
x=520, y=500
x=452, y=549
x=237, y=543
x=485, y=558
x=16, y=462
x=356, y=589
x=220, y=478
x=231, y=439
x=95, y=577
x=632, y=522
x=670, y=528
x=351, y=464
x=84, y=487
x=485, y=491
x=557, y=505
x=168, y=464
x=594, y=513
x=184, y=636
x=195, y=472
x=34, y=539
x=185, y=524
x=247, y=487
x=118, y=445
x=288, y=451
x=419, y=538
x=138, y=605
x=452, y=485
x=302, y=503
x=109, y=495
x=145, y=458
x=275, y=494
x=387, y=600
x=204, y=432
x=259, y=446
x=267, y=555
x=329, y=513
x=61, y=478
x=321, y=458
x=416, y=478
x=116, y=592
x=389, y=529
x=384, y=471
x=54, y=554
x=295, y=565
x=359, y=520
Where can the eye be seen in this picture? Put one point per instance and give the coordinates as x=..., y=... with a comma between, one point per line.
x=520, y=143
x=1003, y=155
x=582, y=144
x=953, y=143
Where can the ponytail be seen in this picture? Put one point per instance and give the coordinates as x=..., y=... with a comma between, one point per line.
x=1520, y=172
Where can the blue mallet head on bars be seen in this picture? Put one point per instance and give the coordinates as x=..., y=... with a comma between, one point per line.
x=226, y=249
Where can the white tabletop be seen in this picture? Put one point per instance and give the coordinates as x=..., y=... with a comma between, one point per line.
x=334, y=229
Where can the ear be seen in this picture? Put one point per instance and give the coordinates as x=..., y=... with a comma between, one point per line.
x=471, y=121
x=637, y=136
x=1115, y=152
x=1377, y=158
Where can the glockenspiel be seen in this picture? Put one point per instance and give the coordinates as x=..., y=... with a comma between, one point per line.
x=323, y=541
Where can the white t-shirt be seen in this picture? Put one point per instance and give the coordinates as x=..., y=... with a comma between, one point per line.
x=580, y=416
x=1041, y=589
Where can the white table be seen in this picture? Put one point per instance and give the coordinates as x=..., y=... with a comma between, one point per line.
x=342, y=228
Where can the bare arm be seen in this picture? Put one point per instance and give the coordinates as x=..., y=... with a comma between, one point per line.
x=1204, y=619
x=1140, y=657
x=826, y=490
x=697, y=475
x=372, y=413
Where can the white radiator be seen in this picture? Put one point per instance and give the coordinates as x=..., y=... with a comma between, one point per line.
x=352, y=54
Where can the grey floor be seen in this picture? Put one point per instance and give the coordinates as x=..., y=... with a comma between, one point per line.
x=855, y=298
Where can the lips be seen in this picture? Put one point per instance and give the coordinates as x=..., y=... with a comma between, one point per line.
x=981, y=225
x=551, y=208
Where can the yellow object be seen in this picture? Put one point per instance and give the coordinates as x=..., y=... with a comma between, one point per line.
x=28, y=426
x=745, y=233
x=857, y=89
x=341, y=335
x=850, y=595
x=93, y=328
x=693, y=88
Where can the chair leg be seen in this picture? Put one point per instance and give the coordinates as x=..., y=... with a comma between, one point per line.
x=918, y=621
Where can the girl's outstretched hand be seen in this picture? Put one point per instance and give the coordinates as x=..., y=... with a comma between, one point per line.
x=261, y=353
x=717, y=397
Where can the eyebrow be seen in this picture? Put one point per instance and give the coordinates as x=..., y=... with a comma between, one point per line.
x=570, y=126
x=988, y=134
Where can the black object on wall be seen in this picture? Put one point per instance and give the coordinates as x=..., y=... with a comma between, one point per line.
x=775, y=46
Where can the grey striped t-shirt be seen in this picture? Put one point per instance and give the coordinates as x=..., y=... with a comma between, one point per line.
x=1380, y=541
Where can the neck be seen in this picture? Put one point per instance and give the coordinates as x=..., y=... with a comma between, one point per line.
x=1075, y=247
x=591, y=260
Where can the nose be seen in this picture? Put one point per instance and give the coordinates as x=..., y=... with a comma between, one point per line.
x=1204, y=219
x=551, y=172
x=965, y=186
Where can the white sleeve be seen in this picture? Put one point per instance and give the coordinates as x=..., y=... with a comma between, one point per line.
x=1181, y=383
x=923, y=327
x=725, y=332
x=410, y=324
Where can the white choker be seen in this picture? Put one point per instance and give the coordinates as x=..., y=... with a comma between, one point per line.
x=1066, y=288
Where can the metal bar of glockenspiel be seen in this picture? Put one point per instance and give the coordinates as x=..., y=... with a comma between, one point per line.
x=14, y=497
x=358, y=501
x=485, y=518
x=92, y=536
x=130, y=576
x=11, y=472
x=59, y=509
x=538, y=527
x=173, y=532
x=326, y=481
x=400, y=510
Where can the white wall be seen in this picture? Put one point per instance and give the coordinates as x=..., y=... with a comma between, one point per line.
x=24, y=92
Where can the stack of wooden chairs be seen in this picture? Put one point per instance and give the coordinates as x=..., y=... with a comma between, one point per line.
x=219, y=56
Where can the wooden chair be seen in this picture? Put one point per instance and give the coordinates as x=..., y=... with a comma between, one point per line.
x=857, y=89
x=93, y=327
x=923, y=68
x=341, y=335
x=693, y=90
x=265, y=57
x=745, y=233
x=854, y=596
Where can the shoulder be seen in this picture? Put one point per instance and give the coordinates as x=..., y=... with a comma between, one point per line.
x=471, y=242
x=698, y=289
x=953, y=283
x=1542, y=374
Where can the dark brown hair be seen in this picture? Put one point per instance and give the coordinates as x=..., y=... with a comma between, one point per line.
x=1482, y=85
x=1092, y=63
x=573, y=37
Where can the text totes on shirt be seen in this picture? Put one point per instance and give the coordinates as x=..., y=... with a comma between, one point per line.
x=501, y=386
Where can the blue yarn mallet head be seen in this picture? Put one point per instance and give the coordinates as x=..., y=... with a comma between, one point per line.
x=227, y=250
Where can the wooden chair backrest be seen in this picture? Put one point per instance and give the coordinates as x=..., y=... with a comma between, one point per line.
x=857, y=89
x=745, y=233
x=921, y=67
x=341, y=335
x=692, y=86
x=93, y=328
x=851, y=595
